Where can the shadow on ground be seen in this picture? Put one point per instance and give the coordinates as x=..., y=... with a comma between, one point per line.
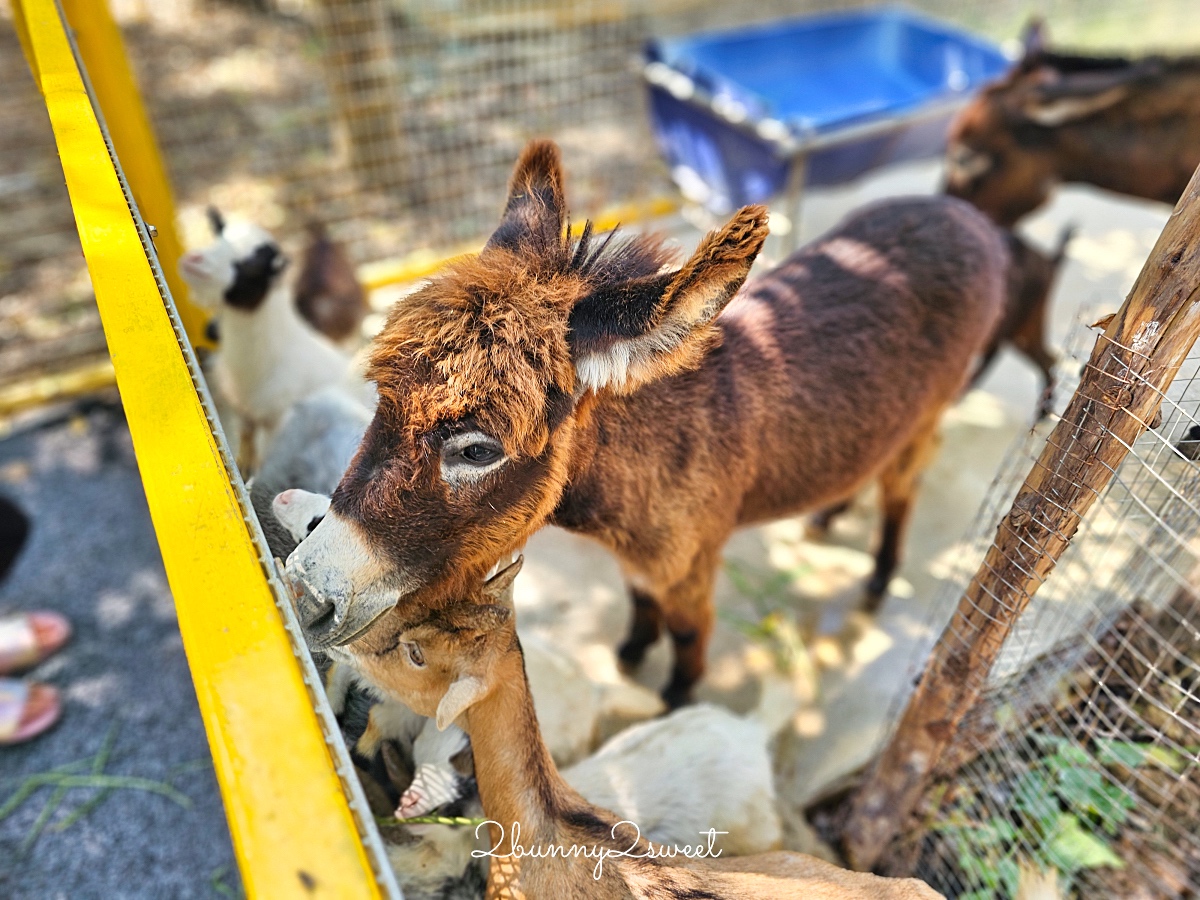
x=92, y=555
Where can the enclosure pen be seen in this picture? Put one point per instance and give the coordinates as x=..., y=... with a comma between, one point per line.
x=289, y=794
x=1108, y=701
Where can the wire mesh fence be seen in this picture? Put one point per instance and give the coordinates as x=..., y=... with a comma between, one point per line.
x=1076, y=770
x=393, y=121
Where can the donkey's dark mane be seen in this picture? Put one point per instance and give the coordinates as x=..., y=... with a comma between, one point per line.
x=610, y=259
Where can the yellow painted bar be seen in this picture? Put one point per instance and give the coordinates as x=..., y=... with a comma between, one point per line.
x=116, y=91
x=292, y=827
x=41, y=389
x=421, y=263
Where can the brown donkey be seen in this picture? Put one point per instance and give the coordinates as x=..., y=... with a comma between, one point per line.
x=1127, y=125
x=590, y=384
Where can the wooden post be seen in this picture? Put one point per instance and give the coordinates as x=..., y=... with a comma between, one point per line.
x=1119, y=394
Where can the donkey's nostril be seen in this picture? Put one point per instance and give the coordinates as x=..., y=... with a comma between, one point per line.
x=321, y=622
x=316, y=617
x=315, y=613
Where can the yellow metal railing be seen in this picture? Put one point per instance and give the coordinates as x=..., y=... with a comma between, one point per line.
x=111, y=79
x=294, y=830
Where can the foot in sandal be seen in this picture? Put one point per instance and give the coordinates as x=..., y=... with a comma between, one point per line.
x=26, y=710
x=28, y=638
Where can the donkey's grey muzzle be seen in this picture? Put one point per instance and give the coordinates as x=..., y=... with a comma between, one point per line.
x=337, y=591
x=332, y=622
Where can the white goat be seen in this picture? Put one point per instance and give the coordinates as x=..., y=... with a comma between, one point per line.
x=698, y=768
x=571, y=707
x=270, y=357
x=315, y=442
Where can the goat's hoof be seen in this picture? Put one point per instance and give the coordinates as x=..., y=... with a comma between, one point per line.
x=675, y=697
x=874, y=595
x=630, y=658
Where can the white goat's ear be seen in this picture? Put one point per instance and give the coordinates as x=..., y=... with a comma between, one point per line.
x=465, y=691
x=643, y=329
x=1052, y=112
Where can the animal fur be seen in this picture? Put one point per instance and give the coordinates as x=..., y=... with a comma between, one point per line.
x=315, y=442
x=595, y=385
x=270, y=358
x=1031, y=277
x=463, y=663
x=328, y=293
x=1128, y=125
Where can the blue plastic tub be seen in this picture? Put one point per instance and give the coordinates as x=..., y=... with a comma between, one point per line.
x=743, y=115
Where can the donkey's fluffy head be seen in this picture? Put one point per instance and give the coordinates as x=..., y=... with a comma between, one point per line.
x=480, y=376
x=490, y=336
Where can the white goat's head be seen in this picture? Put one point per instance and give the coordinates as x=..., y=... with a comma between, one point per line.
x=238, y=269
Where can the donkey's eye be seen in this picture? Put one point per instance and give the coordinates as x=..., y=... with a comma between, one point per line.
x=415, y=656
x=467, y=456
x=481, y=454
x=316, y=520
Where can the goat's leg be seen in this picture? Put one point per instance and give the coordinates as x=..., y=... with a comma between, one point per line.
x=643, y=632
x=247, y=456
x=689, y=616
x=817, y=528
x=1030, y=339
x=898, y=485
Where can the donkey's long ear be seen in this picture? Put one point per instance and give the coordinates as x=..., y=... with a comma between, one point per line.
x=1052, y=107
x=639, y=330
x=535, y=214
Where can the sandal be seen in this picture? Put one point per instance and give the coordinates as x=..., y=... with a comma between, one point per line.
x=28, y=638
x=27, y=709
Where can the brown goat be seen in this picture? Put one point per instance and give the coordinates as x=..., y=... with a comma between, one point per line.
x=463, y=663
x=1031, y=277
x=1127, y=125
x=592, y=385
x=328, y=294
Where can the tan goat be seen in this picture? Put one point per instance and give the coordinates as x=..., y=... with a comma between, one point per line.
x=463, y=663
x=591, y=384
